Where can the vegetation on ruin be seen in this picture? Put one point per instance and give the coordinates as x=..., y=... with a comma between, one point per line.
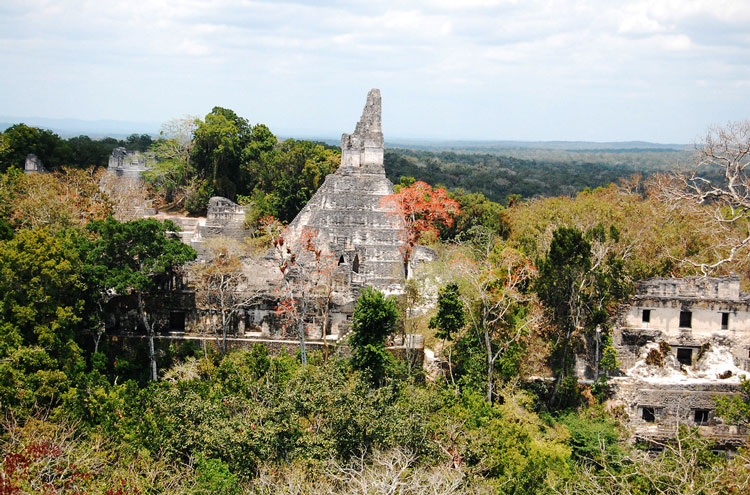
x=518, y=289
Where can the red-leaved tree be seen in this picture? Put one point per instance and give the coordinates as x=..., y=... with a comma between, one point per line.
x=422, y=209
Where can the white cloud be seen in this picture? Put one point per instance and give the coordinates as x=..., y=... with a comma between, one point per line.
x=530, y=58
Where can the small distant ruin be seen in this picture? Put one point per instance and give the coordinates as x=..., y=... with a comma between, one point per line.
x=224, y=218
x=681, y=342
x=130, y=164
x=33, y=165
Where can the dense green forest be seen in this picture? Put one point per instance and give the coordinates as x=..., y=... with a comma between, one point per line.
x=518, y=289
x=499, y=173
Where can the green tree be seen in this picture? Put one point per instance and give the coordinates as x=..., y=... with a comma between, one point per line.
x=138, y=142
x=214, y=478
x=173, y=175
x=129, y=257
x=373, y=321
x=494, y=285
x=478, y=215
x=580, y=288
x=450, y=318
x=287, y=177
x=217, y=149
x=736, y=408
x=559, y=286
x=19, y=140
x=43, y=302
x=86, y=152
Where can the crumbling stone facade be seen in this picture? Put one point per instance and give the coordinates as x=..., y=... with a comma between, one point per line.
x=348, y=212
x=130, y=164
x=224, y=218
x=349, y=219
x=33, y=165
x=681, y=342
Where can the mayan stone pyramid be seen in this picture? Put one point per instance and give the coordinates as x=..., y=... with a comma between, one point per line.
x=348, y=212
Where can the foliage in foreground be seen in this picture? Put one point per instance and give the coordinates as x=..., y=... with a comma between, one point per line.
x=252, y=423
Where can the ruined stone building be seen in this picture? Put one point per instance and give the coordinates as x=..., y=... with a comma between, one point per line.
x=33, y=165
x=348, y=212
x=357, y=230
x=132, y=164
x=681, y=342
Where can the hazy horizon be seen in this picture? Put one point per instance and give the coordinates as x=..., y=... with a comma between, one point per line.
x=98, y=129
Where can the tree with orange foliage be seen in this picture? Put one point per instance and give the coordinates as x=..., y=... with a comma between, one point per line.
x=422, y=209
x=60, y=200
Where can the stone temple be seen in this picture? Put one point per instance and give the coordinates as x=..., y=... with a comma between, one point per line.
x=349, y=213
x=352, y=220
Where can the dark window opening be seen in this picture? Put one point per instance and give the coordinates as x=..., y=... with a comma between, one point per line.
x=686, y=319
x=249, y=320
x=648, y=414
x=176, y=321
x=685, y=356
x=355, y=264
x=724, y=321
x=646, y=317
x=341, y=260
x=701, y=416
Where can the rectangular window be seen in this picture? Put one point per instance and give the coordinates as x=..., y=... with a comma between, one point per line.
x=724, y=321
x=646, y=316
x=701, y=416
x=686, y=319
x=648, y=414
x=685, y=355
x=176, y=321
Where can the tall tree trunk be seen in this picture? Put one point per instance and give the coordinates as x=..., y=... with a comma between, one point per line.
x=150, y=332
x=301, y=332
x=490, y=364
x=223, y=331
x=99, y=333
x=325, y=326
x=99, y=329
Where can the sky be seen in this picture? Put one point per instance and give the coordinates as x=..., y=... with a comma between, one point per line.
x=656, y=70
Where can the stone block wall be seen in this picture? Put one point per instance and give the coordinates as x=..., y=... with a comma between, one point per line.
x=690, y=404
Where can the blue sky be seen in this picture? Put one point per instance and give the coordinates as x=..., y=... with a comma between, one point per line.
x=658, y=70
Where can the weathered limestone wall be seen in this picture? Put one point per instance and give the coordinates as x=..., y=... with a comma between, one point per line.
x=676, y=404
x=130, y=164
x=348, y=211
x=33, y=165
x=224, y=218
x=671, y=369
x=692, y=287
x=365, y=147
x=705, y=298
x=660, y=301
